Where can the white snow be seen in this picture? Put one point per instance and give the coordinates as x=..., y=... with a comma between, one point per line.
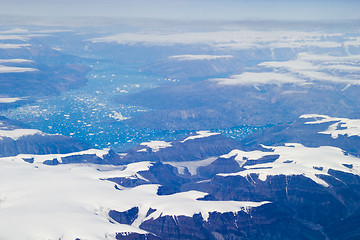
x=185, y=204
x=53, y=31
x=41, y=158
x=71, y=201
x=305, y=43
x=344, y=68
x=322, y=76
x=13, y=37
x=156, y=145
x=142, y=150
x=130, y=171
x=233, y=39
x=9, y=100
x=15, y=31
x=15, y=134
x=316, y=70
x=241, y=156
x=296, y=159
x=10, y=45
x=198, y=57
x=17, y=60
x=294, y=65
x=57, y=203
x=328, y=58
x=6, y=69
x=353, y=41
x=200, y=134
x=305, y=69
x=191, y=166
x=251, y=78
x=349, y=127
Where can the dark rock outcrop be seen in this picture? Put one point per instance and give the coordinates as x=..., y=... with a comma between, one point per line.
x=190, y=150
x=306, y=134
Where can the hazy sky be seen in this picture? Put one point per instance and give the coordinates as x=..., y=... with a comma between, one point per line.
x=188, y=9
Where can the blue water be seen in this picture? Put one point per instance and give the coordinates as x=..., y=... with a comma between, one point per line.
x=91, y=114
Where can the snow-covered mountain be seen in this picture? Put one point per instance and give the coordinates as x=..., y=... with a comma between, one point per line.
x=248, y=190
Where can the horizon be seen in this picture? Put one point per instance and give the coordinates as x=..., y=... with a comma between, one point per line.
x=180, y=10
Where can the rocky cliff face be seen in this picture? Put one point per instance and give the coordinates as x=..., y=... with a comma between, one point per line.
x=16, y=140
x=180, y=150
